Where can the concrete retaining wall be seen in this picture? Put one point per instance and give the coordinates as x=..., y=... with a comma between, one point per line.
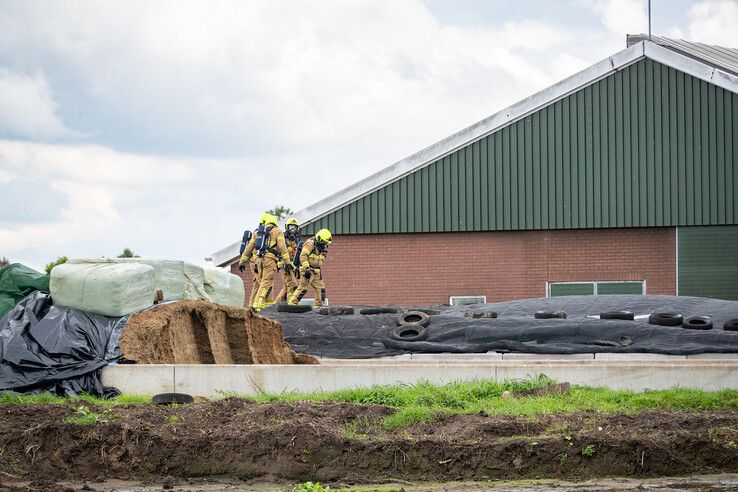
x=212, y=381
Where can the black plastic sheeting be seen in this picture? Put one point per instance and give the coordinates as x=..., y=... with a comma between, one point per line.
x=56, y=349
x=516, y=330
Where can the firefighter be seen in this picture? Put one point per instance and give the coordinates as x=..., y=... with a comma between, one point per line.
x=312, y=257
x=269, y=246
x=292, y=239
x=256, y=264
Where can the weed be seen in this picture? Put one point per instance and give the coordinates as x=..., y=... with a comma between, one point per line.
x=172, y=419
x=561, y=457
x=310, y=487
x=589, y=450
x=85, y=416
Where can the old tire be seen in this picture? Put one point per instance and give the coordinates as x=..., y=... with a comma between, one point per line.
x=697, y=323
x=336, y=310
x=624, y=315
x=171, y=398
x=413, y=332
x=731, y=325
x=550, y=315
x=283, y=307
x=413, y=318
x=378, y=310
x=480, y=314
x=666, y=319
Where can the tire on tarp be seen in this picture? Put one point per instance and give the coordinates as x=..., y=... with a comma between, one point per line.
x=731, y=325
x=550, y=315
x=283, y=307
x=172, y=398
x=413, y=318
x=697, y=323
x=378, y=310
x=624, y=315
x=666, y=319
x=413, y=332
x=336, y=310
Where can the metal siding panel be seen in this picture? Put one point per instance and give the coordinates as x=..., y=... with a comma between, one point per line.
x=432, y=199
x=657, y=178
x=403, y=205
x=530, y=190
x=641, y=217
x=648, y=189
x=551, y=166
x=396, y=206
x=721, y=198
x=708, y=263
x=468, y=189
x=447, y=209
x=426, y=213
x=352, y=218
x=711, y=192
x=580, y=176
x=731, y=112
x=535, y=156
x=683, y=112
x=589, y=166
x=560, y=198
x=418, y=203
x=566, y=163
x=484, y=185
x=517, y=177
x=506, y=177
x=704, y=170
x=545, y=177
x=631, y=139
x=572, y=289
x=454, y=181
x=477, y=189
x=618, y=198
x=498, y=175
x=381, y=208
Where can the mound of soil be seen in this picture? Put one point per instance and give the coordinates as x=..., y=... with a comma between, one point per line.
x=342, y=442
x=202, y=332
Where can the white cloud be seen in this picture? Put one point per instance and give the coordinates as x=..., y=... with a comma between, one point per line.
x=27, y=108
x=622, y=17
x=714, y=22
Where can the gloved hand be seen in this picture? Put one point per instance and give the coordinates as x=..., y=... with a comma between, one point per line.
x=241, y=267
x=256, y=269
x=297, y=273
x=288, y=267
x=308, y=273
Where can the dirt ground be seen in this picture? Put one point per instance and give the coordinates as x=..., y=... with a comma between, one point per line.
x=342, y=443
x=201, y=332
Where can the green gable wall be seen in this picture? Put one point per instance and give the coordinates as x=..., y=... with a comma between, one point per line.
x=645, y=146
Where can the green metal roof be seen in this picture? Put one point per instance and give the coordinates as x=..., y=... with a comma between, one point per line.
x=645, y=146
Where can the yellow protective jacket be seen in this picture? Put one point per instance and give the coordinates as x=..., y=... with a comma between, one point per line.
x=310, y=257
x=276, y=246
x=291, y=249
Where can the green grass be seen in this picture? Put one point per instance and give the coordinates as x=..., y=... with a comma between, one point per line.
x=423, y=401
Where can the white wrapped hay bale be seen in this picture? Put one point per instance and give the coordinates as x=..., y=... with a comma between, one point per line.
x=194, y=282
x=168, y=274
x=110, y=289
x=224, y=287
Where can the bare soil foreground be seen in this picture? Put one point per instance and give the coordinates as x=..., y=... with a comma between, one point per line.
x=335, y=442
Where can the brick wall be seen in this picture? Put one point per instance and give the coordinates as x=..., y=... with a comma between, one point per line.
x=406, y=269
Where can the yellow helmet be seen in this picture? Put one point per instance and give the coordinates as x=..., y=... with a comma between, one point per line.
x=324, y=236
x=292, y=221
x=264, y=218
x=270, y=219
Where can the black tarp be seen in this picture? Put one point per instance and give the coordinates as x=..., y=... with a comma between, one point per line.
x=57, y=349
x=516, y=330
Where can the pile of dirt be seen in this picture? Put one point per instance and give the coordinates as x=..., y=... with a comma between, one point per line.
x=342, y=442
x=201, y=332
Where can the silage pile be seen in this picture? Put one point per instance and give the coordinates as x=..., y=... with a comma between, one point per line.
x=201, y=332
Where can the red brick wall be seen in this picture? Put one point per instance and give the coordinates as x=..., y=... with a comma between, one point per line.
x=407, y=269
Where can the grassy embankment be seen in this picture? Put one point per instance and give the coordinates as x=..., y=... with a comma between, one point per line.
x=423, y=401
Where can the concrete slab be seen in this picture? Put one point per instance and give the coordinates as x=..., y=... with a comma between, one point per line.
x=633, y=375
x=714, y=356
x=482, y=356
x=140, y=379
x=634, y=357
x=520, y=356
x=215, y=381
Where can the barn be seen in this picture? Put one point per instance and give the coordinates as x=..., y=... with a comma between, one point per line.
x=619, y=179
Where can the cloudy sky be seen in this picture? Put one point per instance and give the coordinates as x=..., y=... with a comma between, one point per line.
x=170, y=126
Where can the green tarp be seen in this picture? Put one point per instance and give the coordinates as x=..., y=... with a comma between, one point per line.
x=16, y=282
